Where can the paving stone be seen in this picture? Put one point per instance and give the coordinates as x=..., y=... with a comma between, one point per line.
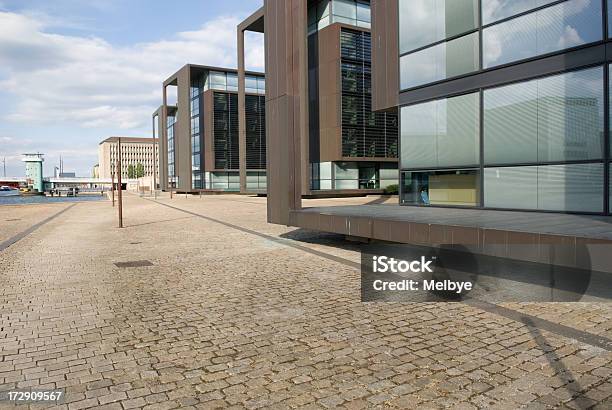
x=224, y=318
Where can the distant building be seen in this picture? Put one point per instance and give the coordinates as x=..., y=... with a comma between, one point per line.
x=96, y=171
x=135, y=153
x=200, y=136
x=34, y=171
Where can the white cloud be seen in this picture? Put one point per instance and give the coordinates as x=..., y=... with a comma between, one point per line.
x=87, y=82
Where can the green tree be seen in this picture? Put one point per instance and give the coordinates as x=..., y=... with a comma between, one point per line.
x=139, y=170
x=131, y=171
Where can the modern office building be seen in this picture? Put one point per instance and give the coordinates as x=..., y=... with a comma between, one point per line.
x=199, y=136
x=350, y=148
x=136, y=157
x=504, y=125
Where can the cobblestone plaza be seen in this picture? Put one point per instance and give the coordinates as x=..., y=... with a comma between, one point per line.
x=200, y=303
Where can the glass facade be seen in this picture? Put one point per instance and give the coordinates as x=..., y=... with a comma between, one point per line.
x=495, y=10
x=565, y=25
x=440, y=39
x=352, y=175
x=443, y=187
x=322, y=13
x=170, y=133
x=222, y=181
x=255, y=85
x=225, y=130
x=256, y=180
x=544, y=146
x=572, y=187
x=255, y=116
x=197, y=87
x=364, y=133
x=424, y=22
x=228, y=81
x=558, y=118
x=442, y=133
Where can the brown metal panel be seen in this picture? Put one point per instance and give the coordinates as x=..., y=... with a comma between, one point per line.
x=495, y=242
x=330, y=93
x=208, y=143
x=361, y=227
x=558, y=250
x=286, y=105
x=380, y=229
x=523, y=246
x=419, y=233
x=385, y=54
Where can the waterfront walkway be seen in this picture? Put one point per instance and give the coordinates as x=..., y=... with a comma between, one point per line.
x=199, y=302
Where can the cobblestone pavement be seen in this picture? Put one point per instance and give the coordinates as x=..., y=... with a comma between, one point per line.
x=239, y=313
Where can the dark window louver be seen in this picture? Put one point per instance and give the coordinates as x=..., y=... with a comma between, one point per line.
x=364, y=133
x=225, y=133
x=255, y=112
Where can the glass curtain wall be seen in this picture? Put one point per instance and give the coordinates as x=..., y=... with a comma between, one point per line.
x=440, y=39
x=364, y=133
x=322, y=13
x=197, y=87
x=171, y=167
x=543, y=142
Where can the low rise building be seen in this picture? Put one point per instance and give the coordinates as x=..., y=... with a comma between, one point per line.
x=199, y=136
x=136, y=157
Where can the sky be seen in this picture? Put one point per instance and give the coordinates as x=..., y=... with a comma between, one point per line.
x=74, y=72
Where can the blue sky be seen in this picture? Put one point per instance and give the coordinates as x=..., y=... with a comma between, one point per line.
x=75, y=72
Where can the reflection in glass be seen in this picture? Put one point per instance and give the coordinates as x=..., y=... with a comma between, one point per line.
x=446, y=60
x=443, y=133
x=423, y=22
x=565, y=25
x=494, y=10
x=451, y=188
x=558, y=118
x=571, y=188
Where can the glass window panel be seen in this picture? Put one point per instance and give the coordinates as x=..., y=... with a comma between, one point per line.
x=569, y=24
x=514, y=187
x=609, y=18
x=574, y=188
x=418, y=133
x=251, y=84
x=345, y=20
x=346, y=171
x=441, y=133
x=345, y=8
x=510, y=124
x=570, y=116
x=324, y=22
x=261, y=84
x=423, y=22
x=559, y=118
x=565, y=25
x=450, y=188
x=232, y=79
x=446, y=60
x=458, y=131
x=322, y=9
x=494, y=10
x=363, y=12
x=217, y=80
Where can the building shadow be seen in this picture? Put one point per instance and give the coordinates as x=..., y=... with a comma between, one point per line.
x=570, y=384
